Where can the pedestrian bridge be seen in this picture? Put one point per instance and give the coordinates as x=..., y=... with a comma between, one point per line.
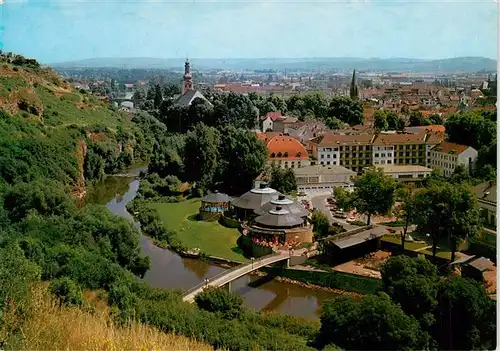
x=234, y=273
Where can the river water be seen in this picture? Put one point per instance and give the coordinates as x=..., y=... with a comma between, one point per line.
x=169, y=270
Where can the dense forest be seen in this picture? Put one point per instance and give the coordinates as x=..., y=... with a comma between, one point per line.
x=54, y=142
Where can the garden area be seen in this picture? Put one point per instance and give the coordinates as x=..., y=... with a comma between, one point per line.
x=210, y=237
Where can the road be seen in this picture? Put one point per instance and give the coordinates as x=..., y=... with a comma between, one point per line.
x=319, y=202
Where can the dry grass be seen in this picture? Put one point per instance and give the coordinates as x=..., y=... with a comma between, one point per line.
x=63, y=328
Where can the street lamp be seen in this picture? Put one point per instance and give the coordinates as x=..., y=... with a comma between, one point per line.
x=252, y=259
x=206, y=282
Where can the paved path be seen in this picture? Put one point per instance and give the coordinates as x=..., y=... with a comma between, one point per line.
x=319, y=202
x=234, y=273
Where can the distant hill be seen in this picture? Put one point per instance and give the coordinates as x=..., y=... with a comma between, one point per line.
x=459, y=64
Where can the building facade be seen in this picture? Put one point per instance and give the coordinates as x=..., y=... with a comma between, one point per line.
x=323, y=178
x=486, y=194
x=446, y=156
x=287, y=152
x=406, y=174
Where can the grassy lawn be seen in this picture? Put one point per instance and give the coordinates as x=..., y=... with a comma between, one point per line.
x=408, y=245
x=210, y=237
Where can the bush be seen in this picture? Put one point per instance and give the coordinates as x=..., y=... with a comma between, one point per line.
x=67, y=291
x=218, y=300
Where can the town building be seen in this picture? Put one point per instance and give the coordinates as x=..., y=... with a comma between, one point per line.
x=189, y=94
x=446, y=156
x=486, y=194
x=405, y=174
x=267, y=121
x=319, y=178
x=244, y=206
x=399, y=149
x=351, y=151
x=286, y=152
x=282, y=125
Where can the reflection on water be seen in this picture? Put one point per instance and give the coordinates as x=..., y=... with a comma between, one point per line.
x=170, y=271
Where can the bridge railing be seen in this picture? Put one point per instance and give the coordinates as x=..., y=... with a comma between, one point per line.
x=228, y=271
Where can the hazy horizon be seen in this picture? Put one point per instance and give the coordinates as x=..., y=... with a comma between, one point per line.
x=72, y=30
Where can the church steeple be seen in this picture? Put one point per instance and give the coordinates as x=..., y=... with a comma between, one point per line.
x=188, y=79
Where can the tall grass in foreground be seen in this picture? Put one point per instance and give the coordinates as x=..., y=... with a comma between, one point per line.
x=51, y=327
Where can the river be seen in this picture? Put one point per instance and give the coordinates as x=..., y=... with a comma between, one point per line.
x=169, y=270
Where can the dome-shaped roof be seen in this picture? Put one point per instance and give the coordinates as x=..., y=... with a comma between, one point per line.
x=255, y=198
x=284, y=146
x=216, y=197
x=293, y=207
x=279, y=218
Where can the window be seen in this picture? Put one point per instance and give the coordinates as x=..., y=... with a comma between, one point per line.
x=347, y=163
x=334, y=162
x=389, y=162
x=376, y=155
x=327, y=162
x=280, y=154
x=389, y=154
x=382, y=162
x=285, y=154
x=382, y=155
x=334, y=155
x=322, y=156
x=328, y=156
x=322, y=163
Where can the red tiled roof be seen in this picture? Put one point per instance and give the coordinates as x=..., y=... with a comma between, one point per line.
x=450, y=148
x=434, y=128
x=266, y=137
x=334, y=139
x=434, y=138
x=273, y=115
x=396, y=139
x=286, y=145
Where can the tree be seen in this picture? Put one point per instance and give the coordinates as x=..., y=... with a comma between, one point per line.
x=394, y=121
x=464, y=217
x=406, y=209
x=447, y=212
x=229, y=304
x=380, y=120
x=374, y=193
x=465, y=316
x=417, y=119
x=158, y=97
x=373, y=323
x=243, y=154
x=170, y=90
x=283, y=180
x=320, y=224
x=43, y=197
x=413, y=283
x=343, y=198
x=201, y=155
x=353, y=91
x=67, y=291
x=436, y=119
x=334, y=123
x=471, y=128
x=346, y=109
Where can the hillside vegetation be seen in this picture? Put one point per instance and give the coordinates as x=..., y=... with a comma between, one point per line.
x=49, y=130
x=51, y=326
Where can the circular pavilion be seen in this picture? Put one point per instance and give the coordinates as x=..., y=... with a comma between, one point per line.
x=214, y=205
x=279, y=228
x=285, y=203
x=245, y=205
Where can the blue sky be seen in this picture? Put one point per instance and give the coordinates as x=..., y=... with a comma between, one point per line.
x=54, y=31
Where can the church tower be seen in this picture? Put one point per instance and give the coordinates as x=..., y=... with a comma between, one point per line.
x=188, y=79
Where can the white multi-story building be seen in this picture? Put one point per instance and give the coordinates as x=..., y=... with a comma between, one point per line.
x=383, y=155
x=446, y=156
x=328, y=155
